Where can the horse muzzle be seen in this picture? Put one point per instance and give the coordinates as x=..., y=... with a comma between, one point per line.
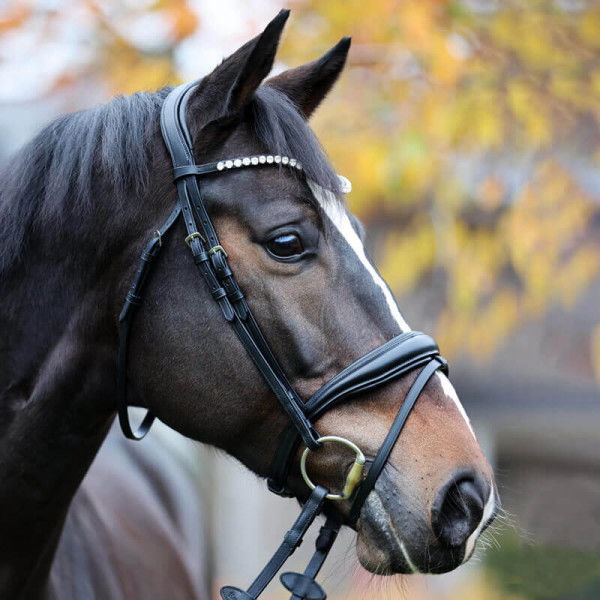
x=398, y=534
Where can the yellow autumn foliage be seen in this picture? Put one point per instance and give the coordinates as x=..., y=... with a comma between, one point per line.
x=471, y=132
x=485, y=122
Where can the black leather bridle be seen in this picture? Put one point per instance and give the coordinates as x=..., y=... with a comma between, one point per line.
x=400, y=355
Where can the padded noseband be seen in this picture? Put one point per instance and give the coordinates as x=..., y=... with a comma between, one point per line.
x=393, y=359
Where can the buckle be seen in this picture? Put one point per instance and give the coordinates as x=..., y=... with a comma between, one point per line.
x=354, y=476
x=216, y=249
x=196, y=234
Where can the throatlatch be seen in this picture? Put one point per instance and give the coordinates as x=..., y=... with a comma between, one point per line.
x=405, y=352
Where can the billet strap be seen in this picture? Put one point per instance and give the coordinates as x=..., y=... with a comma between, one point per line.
x=291, y=541
x=211, y=260
x=133, y=301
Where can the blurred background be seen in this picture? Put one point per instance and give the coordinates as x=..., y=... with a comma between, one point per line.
x=470, y=131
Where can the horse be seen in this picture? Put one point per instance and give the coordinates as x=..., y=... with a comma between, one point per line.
x=77, y=204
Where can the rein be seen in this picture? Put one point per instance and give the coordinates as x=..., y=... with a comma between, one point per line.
x=393, y=359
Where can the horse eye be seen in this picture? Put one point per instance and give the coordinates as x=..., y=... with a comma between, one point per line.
x=285, y=245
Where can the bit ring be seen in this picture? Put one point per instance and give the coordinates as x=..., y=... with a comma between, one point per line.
x=354, y=476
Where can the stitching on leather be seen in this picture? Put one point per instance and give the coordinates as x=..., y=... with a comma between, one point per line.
x=376, y=353
x=359, y=387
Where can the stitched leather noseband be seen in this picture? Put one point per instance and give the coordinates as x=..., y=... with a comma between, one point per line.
x=400, y=355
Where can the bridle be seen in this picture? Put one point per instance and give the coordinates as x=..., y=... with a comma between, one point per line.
x=393, y=359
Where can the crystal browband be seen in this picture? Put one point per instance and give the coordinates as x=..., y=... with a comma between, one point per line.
x=249, y=161
x=262, y=159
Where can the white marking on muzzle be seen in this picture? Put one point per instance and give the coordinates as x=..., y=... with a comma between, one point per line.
x=488, y=510
x=451, y=393
x=384, y=520
x=338, y=216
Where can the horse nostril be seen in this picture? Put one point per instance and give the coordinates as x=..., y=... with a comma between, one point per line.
x=458, y=510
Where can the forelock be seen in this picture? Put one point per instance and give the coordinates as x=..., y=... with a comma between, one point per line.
x=281, y=129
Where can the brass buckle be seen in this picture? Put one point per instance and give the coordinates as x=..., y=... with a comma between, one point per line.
x=216, y=249
x=354, y=475
x=196, y=234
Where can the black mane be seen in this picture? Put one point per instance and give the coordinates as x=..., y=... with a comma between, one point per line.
x=54, y=173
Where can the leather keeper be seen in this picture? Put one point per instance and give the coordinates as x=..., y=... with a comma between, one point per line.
x=201, y=257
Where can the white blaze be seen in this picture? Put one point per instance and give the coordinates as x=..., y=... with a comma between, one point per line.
x=451, y=393
x=338, y=216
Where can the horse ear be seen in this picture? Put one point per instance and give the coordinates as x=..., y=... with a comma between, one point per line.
x=238, y=76
x=308, y=85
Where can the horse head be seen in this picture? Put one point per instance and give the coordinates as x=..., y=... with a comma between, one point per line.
x=297, y=253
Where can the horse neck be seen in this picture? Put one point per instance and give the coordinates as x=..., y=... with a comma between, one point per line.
x=57, y=356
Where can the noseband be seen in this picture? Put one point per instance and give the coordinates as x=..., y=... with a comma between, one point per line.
x=400, y=355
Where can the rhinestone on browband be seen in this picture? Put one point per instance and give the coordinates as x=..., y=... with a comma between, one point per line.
x=270, y=159
x=262, y=159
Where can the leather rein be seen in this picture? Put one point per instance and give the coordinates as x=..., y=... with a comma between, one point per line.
x=393, y=359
